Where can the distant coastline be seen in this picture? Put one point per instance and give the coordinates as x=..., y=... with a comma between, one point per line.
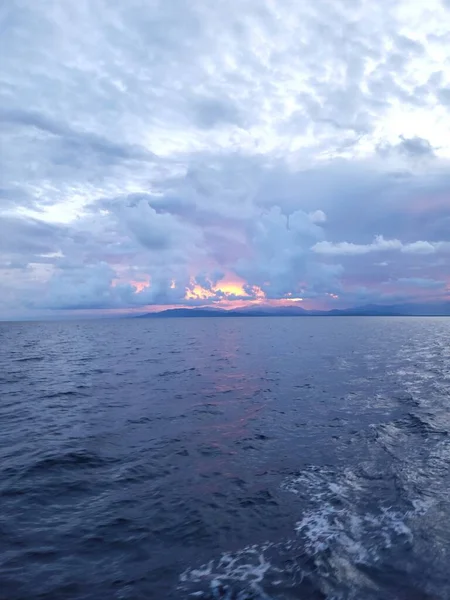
x=403, y=310
x=260, y=311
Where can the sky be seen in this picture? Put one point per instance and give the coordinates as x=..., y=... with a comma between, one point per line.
x=159, y=153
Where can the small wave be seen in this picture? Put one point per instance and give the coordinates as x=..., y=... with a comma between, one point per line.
x=67, y=460
x=69, y=393
x=171, y=373
x=140, y=420
x=207, y=408
x=398, y=437
x=408, y=399
x=25, y=359
x=11, y=378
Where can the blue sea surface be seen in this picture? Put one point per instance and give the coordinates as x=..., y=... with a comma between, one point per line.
x=258, y=458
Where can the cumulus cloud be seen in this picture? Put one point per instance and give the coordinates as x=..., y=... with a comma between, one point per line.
x=187, y=152
x=380, y=244
x=318, y=216
x=280, y=261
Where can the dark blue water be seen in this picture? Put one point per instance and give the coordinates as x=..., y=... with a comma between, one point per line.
x=236, y=458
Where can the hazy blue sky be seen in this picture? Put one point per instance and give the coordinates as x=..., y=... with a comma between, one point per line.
x=195, y=151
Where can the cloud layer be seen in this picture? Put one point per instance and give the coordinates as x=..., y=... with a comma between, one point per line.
x=166, y=153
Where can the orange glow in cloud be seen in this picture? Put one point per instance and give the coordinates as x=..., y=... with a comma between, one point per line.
x=139, y=286
x=198, y=293
x=230, y=285
x=257, y=291
x=230, y=292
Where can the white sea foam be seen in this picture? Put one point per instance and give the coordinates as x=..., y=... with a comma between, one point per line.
x=341, y=528
x=334, y=532
x=342, y=531
x=219, y=578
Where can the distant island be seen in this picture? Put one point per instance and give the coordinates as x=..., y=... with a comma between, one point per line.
x=370, y=310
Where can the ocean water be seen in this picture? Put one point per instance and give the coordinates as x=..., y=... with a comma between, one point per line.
x=272, y=458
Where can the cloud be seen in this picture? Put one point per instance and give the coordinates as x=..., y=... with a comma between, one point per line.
x=212, y=112
x=155, y=231
x=281, y=262
x=444, y=95
x=413, y=148
x=416, y=146
x=318, y=216
x=380, y=244
x=421, y=282
x=166, y=152
x=95, y=287
x=77, y=141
